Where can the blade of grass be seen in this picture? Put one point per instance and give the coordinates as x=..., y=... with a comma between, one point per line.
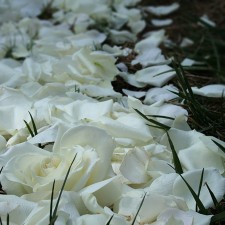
x=51, y=203
x=33, y=124
x=159, y=116
x=150, y=125
x=167, y=71
x=199, y=203
x=7, y=219
x=220, y=146
x=176, y=160
x=142, y=201
x=34, y=132
x=29, y=129
x=108, y=222
x=215, y=202
x=54, y=215
x=200, y=187
x=163, y=126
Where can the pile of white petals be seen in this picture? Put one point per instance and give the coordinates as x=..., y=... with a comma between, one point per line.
x=60, y=71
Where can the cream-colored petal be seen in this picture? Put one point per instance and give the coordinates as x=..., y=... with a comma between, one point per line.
x=134, y=166
x=211, y=176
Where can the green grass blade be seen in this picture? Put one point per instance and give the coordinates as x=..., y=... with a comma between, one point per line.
x=176, y=160
x=142, y=201
x=1, y=221
x=167, y=71
x=164, y=117
x=198, y=201
x=200, y=187
x=163, y=126
x=34, y=132
x=51, y=203
x=150, y=125
x=33, y=124
x=109, y=221
x=54, y=215
x=215, y=202
x=7, y=221
x=220, y=146
x=29, y=129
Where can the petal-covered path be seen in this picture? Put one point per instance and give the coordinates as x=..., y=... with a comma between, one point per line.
x=93, y=127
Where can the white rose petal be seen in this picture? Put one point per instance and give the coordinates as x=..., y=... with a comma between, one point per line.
x=129, y=126
x=17, y=208
x=152, y=206
x=163, y=10
x=189, y=143
x=152, y=40
x=163, y=185
x=14, y=107
x=161, y=22
x=206, y=157
x=155, y=75
x=212, y=90
x=134, y=166
x=96, y=196
x=160, y=94
x=178, y=217
x=149, y=57
x=136, y=94
x=207, y=20
x=211, y=176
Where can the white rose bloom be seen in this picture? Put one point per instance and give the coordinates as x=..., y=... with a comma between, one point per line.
x=28, y=169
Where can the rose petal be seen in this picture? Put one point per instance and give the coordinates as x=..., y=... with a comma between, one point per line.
x=163, y=10
x=211, y=176
x=212, y=90
x=134, y=166
x=155, y=75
